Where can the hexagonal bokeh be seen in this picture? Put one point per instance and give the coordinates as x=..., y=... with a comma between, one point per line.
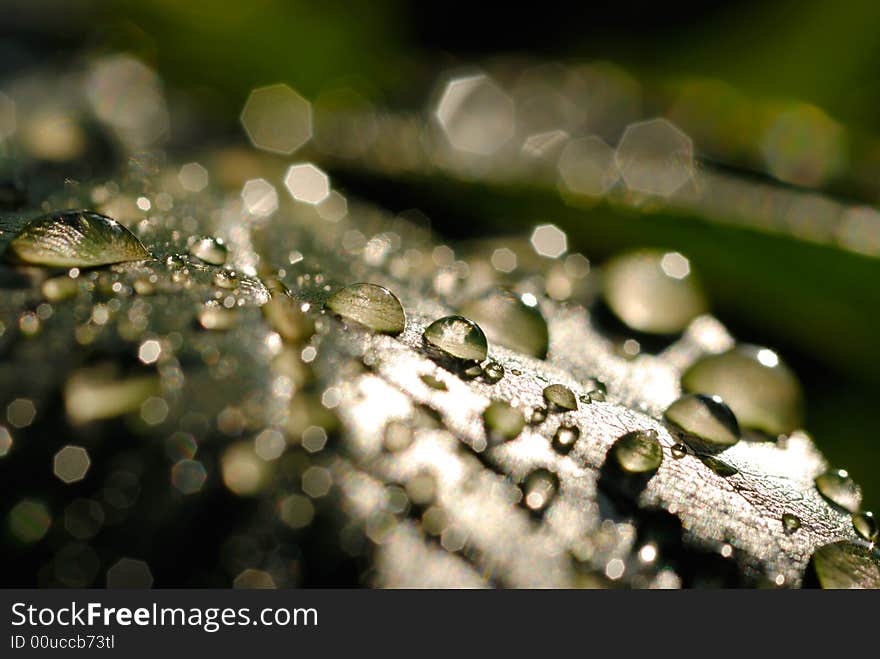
x=655, y=157
x=549, y=240
x=475, y=114
x=188, y=476
x=71, y=463
x=193, y=177
x=307, y=183
x=587, y=167
x=277, y=119
x=259, y=197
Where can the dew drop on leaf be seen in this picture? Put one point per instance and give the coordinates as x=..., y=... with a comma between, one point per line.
x=370, y=305
x=565, y=437
x=838, y=487
x=493, y=372
x=456, y=337
x=762, y=392
x=510, y=322
x=678, y=451
x=75, y=239
x=790, y=522
x=638, y=452
x=560, y=397
x=704, y=418
x=865, y=526
x=846, y=565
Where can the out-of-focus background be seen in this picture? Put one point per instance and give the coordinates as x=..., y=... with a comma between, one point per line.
x=780, y=97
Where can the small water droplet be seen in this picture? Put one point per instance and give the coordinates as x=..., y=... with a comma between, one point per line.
x=706, y=419
x=370, y=305
x=539, y=489
x=510, y=322
x=718, y=466
x=865, y=526
x=652, y=292
x=493, y=372
x=638, y=452
x=846, y=565
x=209, y=249
x=433, y=382
x=472, y=371
x=790, y=523
x=560, y=397
x=678, y=451
x=565, y=438
x=503, y=422
x=537, y=415
x=75, y=239
x=762, y=392
x=216, y=317
x=456, y=337
x=838, y=487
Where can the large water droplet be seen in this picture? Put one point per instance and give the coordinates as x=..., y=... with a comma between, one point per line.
x=653, y=292
x=838, y=487
x=510, y=322
x=539, y=489
x=370, y=305
x=706, y=419
x=503, y=422
x=560, y=396
x=638, y=452
x=209, y=249
x=762, y=392
x=456, y=337
x=846, y=565
x=790, y=523
x=565, y=438
x=75, y=239
x=865, y=525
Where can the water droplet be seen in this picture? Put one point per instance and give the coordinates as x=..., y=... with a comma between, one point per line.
x=503, y=422
x=838, y=487
x=638, y=452
x=539, y=489
x=433, y=382
x=456, y=337
x=71, y=239
x=57, y=289
x=762, y=392
x=560, y=396
x=538, y=415
x=209, y=249
x=866, y=526
x=216, y=317
x=846, y=565
x=790, y=523
x=370, y=305
x=510, y=322
x=493, y=372
x=718, y=466
x=705, y=418
x=652, y=292
x=678, y=451
x=565, y=438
